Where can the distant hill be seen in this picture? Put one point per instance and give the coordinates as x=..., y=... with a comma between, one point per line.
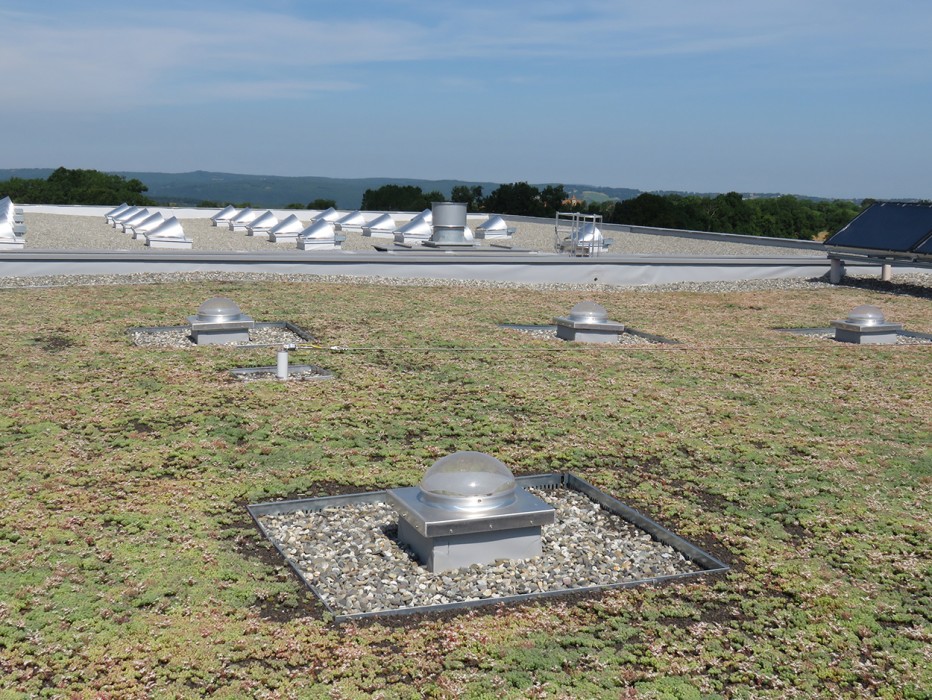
x=189, y=189
x=277, y=191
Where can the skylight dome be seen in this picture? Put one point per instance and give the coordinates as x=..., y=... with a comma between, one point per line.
x=468, y=481
x=866, y=315
x=219, y=310
x=588, y=312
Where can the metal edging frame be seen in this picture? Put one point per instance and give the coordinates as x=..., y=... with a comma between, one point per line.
x=709, y=564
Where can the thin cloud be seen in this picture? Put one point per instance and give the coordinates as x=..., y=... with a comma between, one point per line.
x=119, y=58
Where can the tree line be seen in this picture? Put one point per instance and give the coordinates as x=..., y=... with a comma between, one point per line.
x=66, y=186
x=783, y=217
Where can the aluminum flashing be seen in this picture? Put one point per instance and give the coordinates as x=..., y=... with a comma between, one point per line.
x=704, y=562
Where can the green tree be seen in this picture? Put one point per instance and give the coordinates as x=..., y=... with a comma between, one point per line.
x=322, y=204
x=433, y=196
x=470, y=196
x=398, y=198
x=66, y=186
x=647, y=209
x=552, y=198
x=523, y=199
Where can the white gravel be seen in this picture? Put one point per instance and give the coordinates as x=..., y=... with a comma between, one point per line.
x=180, y=338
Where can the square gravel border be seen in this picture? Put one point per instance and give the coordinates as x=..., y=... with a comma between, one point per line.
x=549, y=328
x=706, y=563
x=922, y=338
x=284, y=325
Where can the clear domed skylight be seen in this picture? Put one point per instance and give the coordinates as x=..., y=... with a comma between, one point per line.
x=866, y=315
x=219, y=310
x=468, y=481
x=588, y=312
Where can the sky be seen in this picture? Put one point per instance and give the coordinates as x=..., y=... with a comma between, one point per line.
x=829, y=98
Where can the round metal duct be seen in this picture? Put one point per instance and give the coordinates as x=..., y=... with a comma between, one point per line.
x=588, y=312
x=866, y=315
x=219, y=310
x=468, y=481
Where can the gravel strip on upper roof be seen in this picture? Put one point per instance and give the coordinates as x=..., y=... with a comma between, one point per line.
x=72, y=232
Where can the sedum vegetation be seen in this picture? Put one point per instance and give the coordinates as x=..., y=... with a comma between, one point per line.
x=129, y=568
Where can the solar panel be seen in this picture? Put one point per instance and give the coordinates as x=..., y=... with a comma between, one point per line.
x=888, y=226
x=925, y=247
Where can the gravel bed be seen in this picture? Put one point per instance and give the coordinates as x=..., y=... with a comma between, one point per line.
x=145, y=278
x=549, y=333
x=69, y=231
x=298, y=373
x=179, y=338
x=913, y=283
x=351, y=555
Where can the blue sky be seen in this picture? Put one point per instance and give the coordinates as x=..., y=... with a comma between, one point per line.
x=821, y=97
